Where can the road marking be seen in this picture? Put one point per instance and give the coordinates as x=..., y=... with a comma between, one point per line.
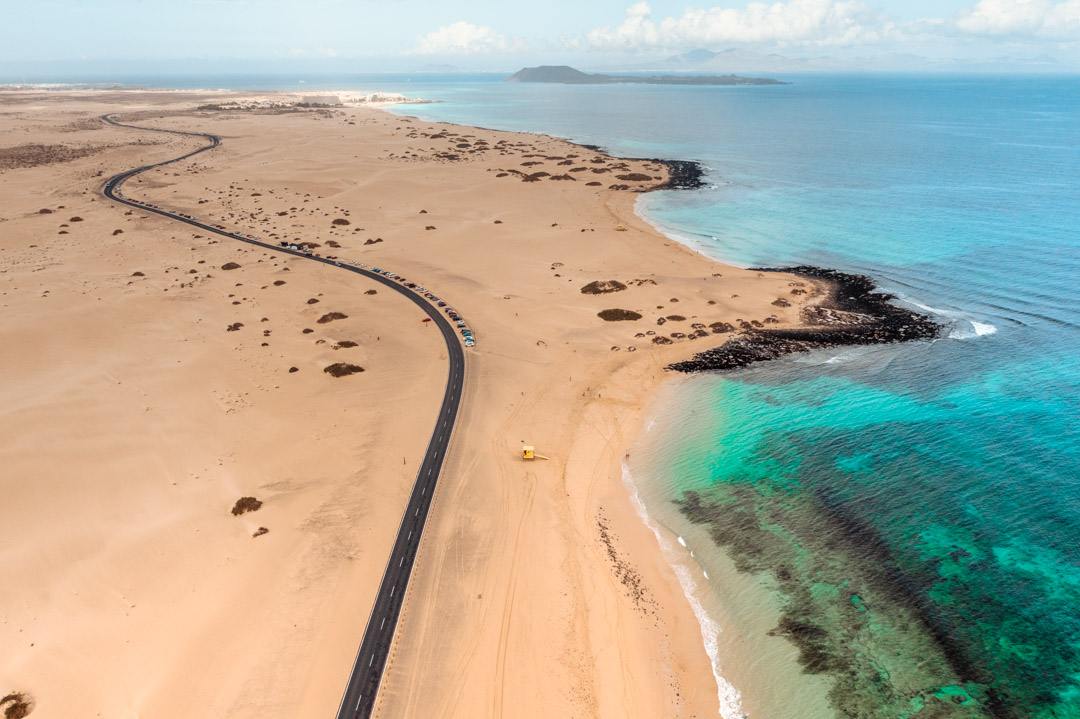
x=455, y=359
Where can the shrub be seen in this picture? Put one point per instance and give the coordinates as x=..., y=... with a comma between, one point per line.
x=600, y=287
x=616, y=315
x=342, y=369
x=245, y=505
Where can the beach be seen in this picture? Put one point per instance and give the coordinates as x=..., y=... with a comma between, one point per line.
x=140, y=413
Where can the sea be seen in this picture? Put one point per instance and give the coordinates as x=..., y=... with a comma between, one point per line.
x=888, y=531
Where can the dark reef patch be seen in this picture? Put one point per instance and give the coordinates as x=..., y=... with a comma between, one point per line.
x=848, y=608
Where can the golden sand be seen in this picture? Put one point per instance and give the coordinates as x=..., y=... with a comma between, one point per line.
x=134, y=420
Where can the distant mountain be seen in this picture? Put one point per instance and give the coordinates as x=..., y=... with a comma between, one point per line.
x=567, y=75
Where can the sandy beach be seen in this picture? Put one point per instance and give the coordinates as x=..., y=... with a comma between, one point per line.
x=135, y=417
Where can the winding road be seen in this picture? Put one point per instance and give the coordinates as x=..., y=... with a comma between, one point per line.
x=362, y=689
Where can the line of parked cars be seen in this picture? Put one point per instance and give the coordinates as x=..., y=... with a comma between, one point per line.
x=466, y=333
x=186, y=216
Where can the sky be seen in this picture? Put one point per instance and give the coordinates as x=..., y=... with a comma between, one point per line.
x=405, y=35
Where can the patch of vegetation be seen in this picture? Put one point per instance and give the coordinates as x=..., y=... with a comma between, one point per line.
x=340, y=221
x=18, y=706
x=245, y=505
x=370, y=292
x=342, y=369
x=345, y=344
x=278, y=283
x=331, y=316
x=635, y=177
x=676, y=318
x=616, y=315
x=601, y=287
x=230, y=266
x=260, y=532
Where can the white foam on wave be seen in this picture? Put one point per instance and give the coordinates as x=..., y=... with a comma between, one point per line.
x=976, y=329
x=728, y=695
x=697, y=243
x=964, y=327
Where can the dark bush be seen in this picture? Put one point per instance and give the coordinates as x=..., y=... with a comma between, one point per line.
x=342, y=369
x=616, y=315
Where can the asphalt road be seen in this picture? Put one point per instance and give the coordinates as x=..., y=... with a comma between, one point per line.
x=362, y=689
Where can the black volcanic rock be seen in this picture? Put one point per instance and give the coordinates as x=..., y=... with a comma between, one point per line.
x=851, y=314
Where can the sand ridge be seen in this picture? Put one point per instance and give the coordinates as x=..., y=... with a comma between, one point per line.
x=141, y=419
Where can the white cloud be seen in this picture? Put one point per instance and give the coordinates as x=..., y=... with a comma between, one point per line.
x=792, y=23
x=832, y=23
x=1039, y=18
x=464, y=38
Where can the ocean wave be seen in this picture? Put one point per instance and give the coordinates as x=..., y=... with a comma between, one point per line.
x=704, y=244
x=964, y=327
x=727, y=694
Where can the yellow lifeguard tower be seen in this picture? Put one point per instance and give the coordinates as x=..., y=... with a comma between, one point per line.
x=528, y=451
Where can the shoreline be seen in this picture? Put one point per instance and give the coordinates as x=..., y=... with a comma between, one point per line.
x=574, y=385
x=849, y=312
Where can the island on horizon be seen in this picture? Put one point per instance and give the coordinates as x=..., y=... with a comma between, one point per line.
x=567, y=75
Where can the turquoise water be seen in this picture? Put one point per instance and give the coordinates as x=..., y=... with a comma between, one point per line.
x=916, y=508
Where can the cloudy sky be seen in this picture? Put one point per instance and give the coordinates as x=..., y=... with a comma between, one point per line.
x=377, y=35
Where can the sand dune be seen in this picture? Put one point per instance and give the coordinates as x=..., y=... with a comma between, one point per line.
x=135, y=419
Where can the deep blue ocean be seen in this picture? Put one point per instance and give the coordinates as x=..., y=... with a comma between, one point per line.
x=915, y=509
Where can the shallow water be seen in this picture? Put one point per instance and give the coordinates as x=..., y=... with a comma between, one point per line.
x=911, y=513
x=914, y=510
